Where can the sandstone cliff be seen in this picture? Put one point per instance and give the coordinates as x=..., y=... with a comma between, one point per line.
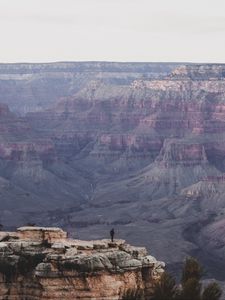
x=42, y=263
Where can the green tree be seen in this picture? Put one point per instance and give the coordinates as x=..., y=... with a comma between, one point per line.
x=191, y=290
x=212, y=292
x=191, y=270
x=190, y=287
x=190, y=281
x=166, y=288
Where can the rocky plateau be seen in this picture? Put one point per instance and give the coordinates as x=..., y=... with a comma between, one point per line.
x=42, y=263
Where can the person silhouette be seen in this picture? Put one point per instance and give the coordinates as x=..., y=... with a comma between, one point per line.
x=112, y=232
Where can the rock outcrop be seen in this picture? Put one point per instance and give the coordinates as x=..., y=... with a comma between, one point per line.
x=42, y=263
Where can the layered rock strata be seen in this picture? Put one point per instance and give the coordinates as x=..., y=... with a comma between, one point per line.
x=41, y=263
x=129, y=145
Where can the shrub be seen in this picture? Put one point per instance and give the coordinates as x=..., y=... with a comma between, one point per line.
x=212, y=292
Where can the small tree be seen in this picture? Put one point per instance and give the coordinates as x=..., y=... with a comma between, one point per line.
x=190, y=281
x=190, y=287
x=166, y=288
x=191, y=270
x=212, y=292
x=191, y=290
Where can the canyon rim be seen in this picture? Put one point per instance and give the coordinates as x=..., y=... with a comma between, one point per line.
x=135, y=146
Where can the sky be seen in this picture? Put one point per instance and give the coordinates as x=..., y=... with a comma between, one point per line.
x=112, y=30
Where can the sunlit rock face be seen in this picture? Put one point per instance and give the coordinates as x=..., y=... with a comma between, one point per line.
x=42, y=263
x=138, y=147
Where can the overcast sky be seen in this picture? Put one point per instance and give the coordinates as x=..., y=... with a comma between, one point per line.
x=112, y=30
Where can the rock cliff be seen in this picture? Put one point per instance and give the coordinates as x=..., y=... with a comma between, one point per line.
x=42, y=263
x=96, y=145
x=32, y=87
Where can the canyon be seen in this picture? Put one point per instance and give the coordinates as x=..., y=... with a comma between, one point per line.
x=135, y=146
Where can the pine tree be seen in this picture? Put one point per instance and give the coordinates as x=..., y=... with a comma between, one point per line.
x=191, y=289
x=191, y=270
x=190, y=281
x=212, y=292
x=166, y=288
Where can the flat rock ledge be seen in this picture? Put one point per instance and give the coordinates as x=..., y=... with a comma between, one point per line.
x=42, y=263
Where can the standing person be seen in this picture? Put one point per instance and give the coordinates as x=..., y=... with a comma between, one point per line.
x=112, y=232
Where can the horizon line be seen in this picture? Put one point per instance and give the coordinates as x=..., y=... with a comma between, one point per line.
x=111, y=61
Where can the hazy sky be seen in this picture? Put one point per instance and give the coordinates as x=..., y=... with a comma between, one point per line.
x=112, y=30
